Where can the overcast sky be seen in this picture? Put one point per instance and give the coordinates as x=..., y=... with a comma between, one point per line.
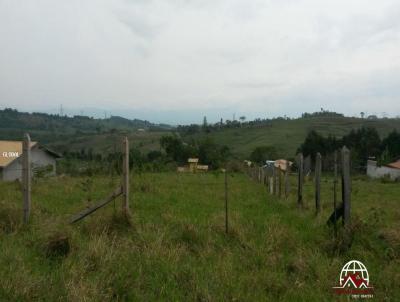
x=181, y=59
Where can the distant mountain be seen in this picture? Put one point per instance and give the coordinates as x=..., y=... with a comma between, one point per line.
x=13, y=123
x=76, y=133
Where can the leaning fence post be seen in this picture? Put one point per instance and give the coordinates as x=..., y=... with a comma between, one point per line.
x=26, y=176
x=300, y=180
x=318, y=182
x=346, y=185
x=125, y=180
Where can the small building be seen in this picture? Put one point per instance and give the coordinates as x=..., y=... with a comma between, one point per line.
x=391, y=170
x=202, y=168
x=42, y=160
x=192, y=162
x=247, y=163
x=193, y=166
x=283, y=164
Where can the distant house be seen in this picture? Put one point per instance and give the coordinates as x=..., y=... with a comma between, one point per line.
x=11, y=160
x=202, y=168
x=247, y=163
x=193, y=166
x=283, y=164
x=391, y=170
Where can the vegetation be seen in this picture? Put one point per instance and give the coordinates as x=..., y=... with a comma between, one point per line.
x=285, y=135
x=77, y=133
x=263, y=153
x=206, y=150
x=176, y=249
x=80, y=133
x=364, y=143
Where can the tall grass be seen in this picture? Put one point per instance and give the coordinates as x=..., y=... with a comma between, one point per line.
x=176, y=248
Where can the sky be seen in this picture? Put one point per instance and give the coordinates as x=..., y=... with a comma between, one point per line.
x=175, y=61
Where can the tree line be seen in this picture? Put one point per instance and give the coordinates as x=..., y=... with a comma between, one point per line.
x=364, y=143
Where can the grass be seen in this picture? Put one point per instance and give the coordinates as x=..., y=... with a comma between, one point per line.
x=176, y=248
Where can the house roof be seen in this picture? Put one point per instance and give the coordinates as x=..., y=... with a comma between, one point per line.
x=395, y=165
x=282, y=164
x=193, y=160
x=11, y=150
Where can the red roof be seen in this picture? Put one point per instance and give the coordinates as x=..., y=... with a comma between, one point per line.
x=395, y=165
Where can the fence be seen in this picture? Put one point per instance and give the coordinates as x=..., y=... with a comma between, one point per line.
x=275, y=179
x=122, y=190
x=271, y=177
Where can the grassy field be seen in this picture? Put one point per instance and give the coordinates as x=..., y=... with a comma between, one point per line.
x=287, y=135
x=176, y=248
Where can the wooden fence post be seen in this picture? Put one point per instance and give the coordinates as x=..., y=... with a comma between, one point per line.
x=287, y=180
x=125, y=180
x=280, y=182
x=318, y=167
x=274, y=180
x=335, y=176
x=226, y=201
x=300, y=180
x=346, y=185
x=262, y=175
x=26, y=176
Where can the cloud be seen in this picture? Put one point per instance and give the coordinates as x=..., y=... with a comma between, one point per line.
x=255, y=57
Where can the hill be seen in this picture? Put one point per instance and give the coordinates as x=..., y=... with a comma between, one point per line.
x=287, y=134
x=65, y=133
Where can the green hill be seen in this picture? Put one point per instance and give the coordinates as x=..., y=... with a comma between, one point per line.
x=287, y=135
x=64, y=133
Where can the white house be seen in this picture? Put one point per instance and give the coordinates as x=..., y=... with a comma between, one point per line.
x=391, y=170
x=11, y=160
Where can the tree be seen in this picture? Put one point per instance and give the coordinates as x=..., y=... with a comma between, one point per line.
x=262, y=153
x=205, y=122
x=314, y=142
x=212, y=154
x=176, y=149
x=242, y=118
x=154, y=155
x=363, y=143
x=392, y=146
